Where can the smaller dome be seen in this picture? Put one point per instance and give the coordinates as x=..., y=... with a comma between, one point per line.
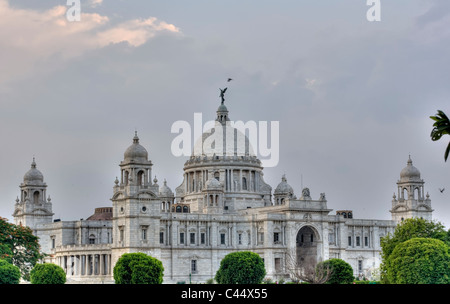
x=33, y=175
x=165, y=191
x=102, y=214
x=222, y=108
x=410, y=172
x=136, y=152
x=283, y=187
x=213, y=184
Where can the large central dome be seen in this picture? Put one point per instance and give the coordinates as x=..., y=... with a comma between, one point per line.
x=226, y=138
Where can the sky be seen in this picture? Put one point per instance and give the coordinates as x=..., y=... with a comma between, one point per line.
x=352, y=97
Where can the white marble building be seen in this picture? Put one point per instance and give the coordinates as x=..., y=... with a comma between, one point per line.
x=222, y=206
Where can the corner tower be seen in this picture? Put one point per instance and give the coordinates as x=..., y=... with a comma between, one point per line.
x=34, y=207
x=136, y=205
x=410, y=200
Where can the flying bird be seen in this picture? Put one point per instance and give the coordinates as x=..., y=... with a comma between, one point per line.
x=442, y=190
x=229, y=79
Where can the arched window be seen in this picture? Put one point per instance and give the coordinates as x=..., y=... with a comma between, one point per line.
x=217, y=175
x=405, y=193
x=36, y=197
x=178, y=209
x=244, y=183
x=92, y=239
x=185, y=209
x=126, y=176
x=140, y=178
x=416, y=193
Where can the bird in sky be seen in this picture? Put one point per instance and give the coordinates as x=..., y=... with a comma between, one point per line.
x=229, y=79
x=442, y=190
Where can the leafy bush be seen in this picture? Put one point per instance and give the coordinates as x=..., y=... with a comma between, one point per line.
x=419, y=261
x=341, y=271
x=47, y=273
x=243, y=267
x=406, y=230
x=9, y=274
x=138, y=268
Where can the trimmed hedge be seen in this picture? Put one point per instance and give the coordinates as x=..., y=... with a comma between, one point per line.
x=47, y=273
x=138, y=268
x=9, y=273
x=419, y=261
x=243, y=267
x=341, y=271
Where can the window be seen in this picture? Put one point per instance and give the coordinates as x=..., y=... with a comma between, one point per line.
x=359, y=266
x=92, y=239
x=161, y=237
x=366, y=241
x=121, y=234
x=144, y=233
x=53, y=242
x=181, y=237
x=244, y=183
x=277, y=265
x=192, y=237
x=276, y=237
x=240, y=238
x=349, y=240
x=202, y=238
x=358, y=241
x=193, y=266
x=222, y=239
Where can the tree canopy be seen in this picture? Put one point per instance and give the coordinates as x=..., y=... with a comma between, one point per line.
x=242, y=267
x=138, y=268
x=19, y=246
x=406, y=230
x=419, y=261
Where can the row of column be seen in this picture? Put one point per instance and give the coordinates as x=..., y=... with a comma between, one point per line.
x=85, y=264
x=251, y=182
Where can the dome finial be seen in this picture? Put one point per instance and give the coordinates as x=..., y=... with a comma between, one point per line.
x=33, y=164
x=135, y=138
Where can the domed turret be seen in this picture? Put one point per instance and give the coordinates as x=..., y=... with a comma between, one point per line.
x=33, y=175
x=136, y=152
x=409, y=172
x=213, y=184
x=283, y=191
x=165, y=191
x=284, y=187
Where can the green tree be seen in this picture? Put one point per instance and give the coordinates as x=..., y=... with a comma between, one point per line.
x=243, y=267
x=19, y=242
x=9, y=274
x=47, y=273
x=138, y=268
x=406, y=230
x=441, y=127
x=340, y=271
x=419, y=261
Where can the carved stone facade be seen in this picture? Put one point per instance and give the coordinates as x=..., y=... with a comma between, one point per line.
x=223, y=205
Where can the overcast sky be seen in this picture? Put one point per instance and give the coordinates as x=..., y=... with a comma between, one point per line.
x=352, y=97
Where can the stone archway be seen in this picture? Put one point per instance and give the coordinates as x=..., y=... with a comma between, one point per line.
x=306, y=246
